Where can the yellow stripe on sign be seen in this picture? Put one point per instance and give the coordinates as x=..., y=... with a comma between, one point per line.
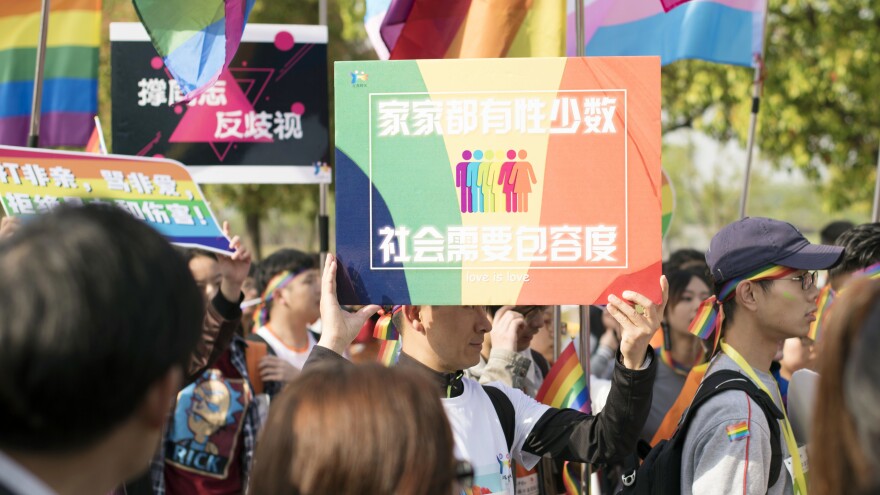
x=68, y=28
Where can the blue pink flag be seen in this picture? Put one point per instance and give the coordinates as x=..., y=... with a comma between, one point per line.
x=721, y=31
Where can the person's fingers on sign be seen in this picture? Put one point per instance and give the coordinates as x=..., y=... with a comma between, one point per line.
x=339, y=327
x=639, y=318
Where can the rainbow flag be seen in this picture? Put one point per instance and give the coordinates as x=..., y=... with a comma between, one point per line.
x=196, y=39
x=823, y=304
x=384, y=329
x=721, y=31
x=571, y=482
x=94, y=143
x=566, y=385
x=420, y=29
x=738, y=431
x=388, y=352
x=70, y=77
x=872, y=272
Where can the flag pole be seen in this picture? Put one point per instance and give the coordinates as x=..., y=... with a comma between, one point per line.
x=581, y=51
x=757, y=88
x=34, y=135
x=875, y=217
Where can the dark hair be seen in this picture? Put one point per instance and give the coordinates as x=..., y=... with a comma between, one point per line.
x=190, y=253
x=845, y=446
x=861, y=249
x=679, y=280
x=279, y=261
x=831, y=232
x=687, y=258
x=96, y=307
x=404, y=443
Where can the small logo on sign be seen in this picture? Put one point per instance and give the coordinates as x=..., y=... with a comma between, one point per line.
x=359, y=79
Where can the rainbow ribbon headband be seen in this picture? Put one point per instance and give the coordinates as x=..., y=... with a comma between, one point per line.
x=278, y=282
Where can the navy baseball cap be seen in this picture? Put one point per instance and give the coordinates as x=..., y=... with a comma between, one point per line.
x=752, y=243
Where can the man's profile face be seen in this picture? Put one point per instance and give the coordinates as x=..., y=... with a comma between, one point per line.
x=455, y=333
x=786, y=309
x=534, y=318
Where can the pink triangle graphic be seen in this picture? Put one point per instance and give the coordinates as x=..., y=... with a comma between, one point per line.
x=199, y=123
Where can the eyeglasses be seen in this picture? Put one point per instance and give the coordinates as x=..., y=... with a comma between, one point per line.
x=807, y=280
x=464, y=474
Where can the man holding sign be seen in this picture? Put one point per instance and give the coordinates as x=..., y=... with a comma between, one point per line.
x=441, y=341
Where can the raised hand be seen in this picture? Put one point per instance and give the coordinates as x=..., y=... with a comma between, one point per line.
x=638, y=322
x=275, y=369
x=233, y=269
x=338, y=327
x=505, y=327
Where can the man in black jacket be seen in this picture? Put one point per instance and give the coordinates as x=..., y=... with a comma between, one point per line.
x=440, y=341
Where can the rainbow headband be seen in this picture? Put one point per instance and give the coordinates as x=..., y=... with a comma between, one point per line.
x=710, y=315
x=278, y=282
x=385, y=328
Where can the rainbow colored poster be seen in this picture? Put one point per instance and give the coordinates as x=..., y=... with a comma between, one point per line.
x=159, y=192
x=498, y=181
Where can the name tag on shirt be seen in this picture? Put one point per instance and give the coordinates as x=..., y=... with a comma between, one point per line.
x=804, y=461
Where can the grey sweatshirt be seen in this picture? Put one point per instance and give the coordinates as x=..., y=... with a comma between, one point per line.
x=713, y=462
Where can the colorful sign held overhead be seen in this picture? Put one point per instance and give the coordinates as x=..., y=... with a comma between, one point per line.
x=265, y=119
x=158, y=192
x=498, y=181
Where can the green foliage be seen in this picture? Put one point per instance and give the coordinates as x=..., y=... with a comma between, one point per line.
x=819, y=111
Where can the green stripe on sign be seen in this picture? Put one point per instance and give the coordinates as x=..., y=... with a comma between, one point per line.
x=72, y=62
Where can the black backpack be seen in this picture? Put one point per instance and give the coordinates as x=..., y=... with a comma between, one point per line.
x=660, y=473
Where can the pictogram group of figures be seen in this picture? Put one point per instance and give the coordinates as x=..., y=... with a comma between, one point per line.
x=483, y=177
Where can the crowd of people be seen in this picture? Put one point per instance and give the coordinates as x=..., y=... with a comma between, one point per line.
x=128, y=366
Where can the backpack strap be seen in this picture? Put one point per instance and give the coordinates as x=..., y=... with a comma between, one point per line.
x=504, y=410
x=724, y=380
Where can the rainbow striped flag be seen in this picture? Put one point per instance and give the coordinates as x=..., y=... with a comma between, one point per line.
x=196, y=39
x=571, y=481
x=388, y=352
x=721, y=31
x=70, y=72
x=419, y=29
x=738, y=431
x=823, y=304
x=566, y=385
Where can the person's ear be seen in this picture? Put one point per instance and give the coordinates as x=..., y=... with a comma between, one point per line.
x=412, y=314
x=160, y=397
x=747, y=295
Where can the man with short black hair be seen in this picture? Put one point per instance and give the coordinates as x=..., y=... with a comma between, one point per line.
x=100, y=318
x=765, y=284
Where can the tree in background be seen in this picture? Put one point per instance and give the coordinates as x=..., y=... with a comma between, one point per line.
x=820, y=111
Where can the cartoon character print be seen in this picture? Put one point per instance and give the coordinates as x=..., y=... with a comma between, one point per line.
x=206, y=424
x=504, y=467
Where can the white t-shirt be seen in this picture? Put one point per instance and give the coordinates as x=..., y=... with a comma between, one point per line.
x=17, y=479
x=479, y=437
x=297, y=359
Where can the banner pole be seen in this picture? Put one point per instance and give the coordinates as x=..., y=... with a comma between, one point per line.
x=586, y=469
x=323, y=218
x=875, y=217
x=557, y=332
x=753, y=124
x=34, y=135
x=579, y=28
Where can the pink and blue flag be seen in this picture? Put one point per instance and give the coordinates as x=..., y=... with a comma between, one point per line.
x=721, y=31
x=196, y=38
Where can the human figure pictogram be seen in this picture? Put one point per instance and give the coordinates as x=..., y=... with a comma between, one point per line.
x=488, y=178
x=522, y=177
x=504, y=178
x=461, y=181
x=473, y=181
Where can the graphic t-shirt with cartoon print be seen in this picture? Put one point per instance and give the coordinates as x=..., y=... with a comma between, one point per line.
x=204, y=447
x=479, y=437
